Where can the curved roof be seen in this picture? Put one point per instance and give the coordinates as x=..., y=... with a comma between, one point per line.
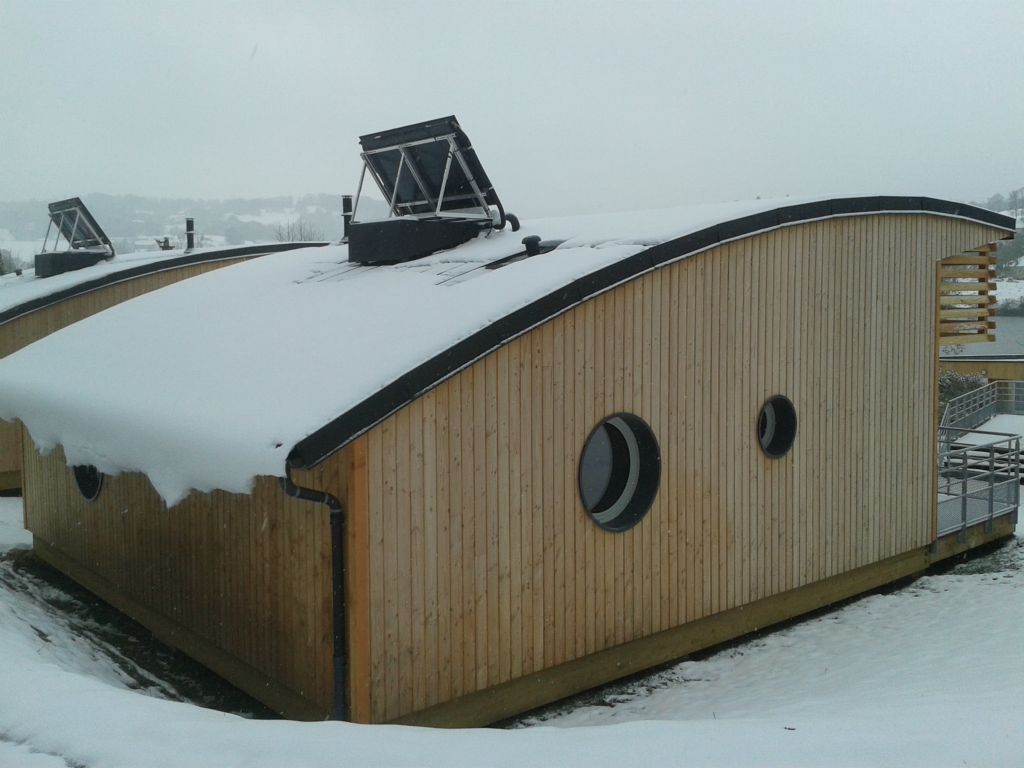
x=314, y=448
x=213, y=381
x=25, y=293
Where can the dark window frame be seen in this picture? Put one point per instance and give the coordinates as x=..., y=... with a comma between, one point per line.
x=776, y=426
x=89, y=481
x=633, y=479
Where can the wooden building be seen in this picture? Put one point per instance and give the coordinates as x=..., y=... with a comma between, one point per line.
x=718, y=423
x=32, y=307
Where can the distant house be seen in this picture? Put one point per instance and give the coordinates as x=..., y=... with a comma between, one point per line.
x=32, y=307
x=448, y=490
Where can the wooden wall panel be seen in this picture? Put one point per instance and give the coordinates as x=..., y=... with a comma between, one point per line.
x=249, y=576
x=838, y=315
x=22, y=331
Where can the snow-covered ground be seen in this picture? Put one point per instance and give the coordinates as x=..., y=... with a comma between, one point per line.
x=926, y=675
x=1006, y=423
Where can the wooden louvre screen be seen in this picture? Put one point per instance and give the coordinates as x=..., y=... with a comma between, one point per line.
x=966, y=293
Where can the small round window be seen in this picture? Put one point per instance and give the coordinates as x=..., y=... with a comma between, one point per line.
x=776, y=426
x=89, y=480
x=619, y=472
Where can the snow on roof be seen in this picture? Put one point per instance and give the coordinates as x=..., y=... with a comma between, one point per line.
x=210, y=382
x=26, y=292
x=18, y=290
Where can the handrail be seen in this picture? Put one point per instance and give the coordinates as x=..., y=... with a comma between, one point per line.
x=972, y=409
x=977, y=482
x=977, y=406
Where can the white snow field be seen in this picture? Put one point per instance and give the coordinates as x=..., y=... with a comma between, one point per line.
x=927, y=675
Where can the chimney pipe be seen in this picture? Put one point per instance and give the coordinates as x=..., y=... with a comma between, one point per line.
x=190, y=234
x=346, y=215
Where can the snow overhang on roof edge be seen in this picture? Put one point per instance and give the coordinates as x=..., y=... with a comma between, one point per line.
x=316, y=447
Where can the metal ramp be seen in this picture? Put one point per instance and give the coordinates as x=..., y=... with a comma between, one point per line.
x=979, y=469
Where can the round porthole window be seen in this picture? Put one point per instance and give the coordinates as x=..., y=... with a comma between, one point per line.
x=619, y=472
x=776, y=426
x=89, y=480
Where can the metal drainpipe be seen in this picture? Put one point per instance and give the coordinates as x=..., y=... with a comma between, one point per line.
x=340, y=710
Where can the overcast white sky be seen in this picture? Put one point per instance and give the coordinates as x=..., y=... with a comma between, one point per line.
x=572, y=106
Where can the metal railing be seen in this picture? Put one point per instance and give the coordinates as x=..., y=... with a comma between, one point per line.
x=973, y=409
x=979, y=477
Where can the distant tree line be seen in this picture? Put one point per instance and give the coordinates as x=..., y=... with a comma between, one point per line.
x=1012, y=202
x=1012, y=308
x=8, y=263
x=298, y=231
x=1010, y=252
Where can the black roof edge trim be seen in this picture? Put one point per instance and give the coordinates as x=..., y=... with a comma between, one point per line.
x=613, y=274
x=748, y=225
x=317, y=446
x=152, y=267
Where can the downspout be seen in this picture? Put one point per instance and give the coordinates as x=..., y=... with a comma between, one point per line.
x=340, y=709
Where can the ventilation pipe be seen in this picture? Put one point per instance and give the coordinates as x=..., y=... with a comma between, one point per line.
x=346, y=216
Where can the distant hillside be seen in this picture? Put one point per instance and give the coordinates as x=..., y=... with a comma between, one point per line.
x=133, y=222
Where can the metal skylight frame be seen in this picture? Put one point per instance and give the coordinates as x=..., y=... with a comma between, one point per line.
x=477, y=198
x=83, y=228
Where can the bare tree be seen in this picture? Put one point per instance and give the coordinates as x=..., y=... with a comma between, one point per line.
x=297, y=231
x=8, y=263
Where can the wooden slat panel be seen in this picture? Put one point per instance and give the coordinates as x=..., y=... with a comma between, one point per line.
x=975, y=338
x=969, y=260
x=965, y=327
x=952, y=301
x=953, y=288
x=978, y=313
x=961, y=273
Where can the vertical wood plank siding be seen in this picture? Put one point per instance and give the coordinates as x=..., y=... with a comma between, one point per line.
x=22, y=331
x=483, y=566
x=249, y=575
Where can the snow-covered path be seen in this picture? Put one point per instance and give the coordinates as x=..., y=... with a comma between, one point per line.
x=927, y=675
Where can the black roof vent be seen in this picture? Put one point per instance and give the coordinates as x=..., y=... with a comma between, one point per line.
x=86, y=240
x=438, y=193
